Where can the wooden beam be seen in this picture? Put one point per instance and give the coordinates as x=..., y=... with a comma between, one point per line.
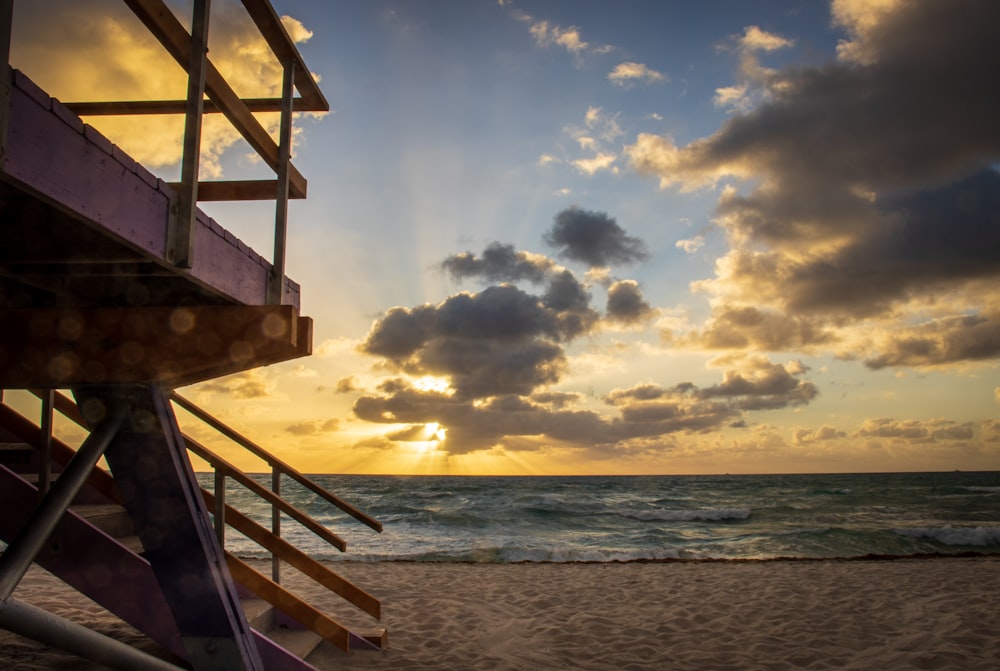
x=149, y=461
x=160, y=21
x=293, y=556
x=284, y=49
x=141, y=107
x=248, y=189
x=173, y=346
x=229, y=470
x=289, y=604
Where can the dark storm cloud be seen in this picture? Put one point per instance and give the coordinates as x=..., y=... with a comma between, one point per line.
x=626, y=304
x=872, y=181
x=499, y=263
x=499, y=341
x=593, y=238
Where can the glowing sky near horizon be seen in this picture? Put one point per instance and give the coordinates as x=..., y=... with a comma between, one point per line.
x=642, y=237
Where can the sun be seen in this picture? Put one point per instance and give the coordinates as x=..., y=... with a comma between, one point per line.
x=435, y=432
x=441, y=385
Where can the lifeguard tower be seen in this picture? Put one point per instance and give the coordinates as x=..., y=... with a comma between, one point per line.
x=114, y=286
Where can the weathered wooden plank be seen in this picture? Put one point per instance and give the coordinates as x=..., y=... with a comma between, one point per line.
x=289, y=604
x=145, y=107
x=284, y=49
x=248, y=189
x=58, y=348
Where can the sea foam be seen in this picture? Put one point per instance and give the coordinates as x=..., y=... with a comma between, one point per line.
x=978, y=536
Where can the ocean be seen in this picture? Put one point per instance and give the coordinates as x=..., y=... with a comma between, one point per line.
x=607, y=519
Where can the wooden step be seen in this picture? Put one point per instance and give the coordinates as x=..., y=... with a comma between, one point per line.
x=299, y=642
x=110, y=518
x=259, y=613
x=13, y=455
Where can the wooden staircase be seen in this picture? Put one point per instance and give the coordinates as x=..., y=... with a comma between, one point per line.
x=97, y=538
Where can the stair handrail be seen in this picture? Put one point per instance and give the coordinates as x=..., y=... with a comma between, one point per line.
x=229, y=470
x=271, y=542
x=275, y=462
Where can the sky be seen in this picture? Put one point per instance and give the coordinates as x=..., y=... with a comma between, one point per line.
x=639, y=237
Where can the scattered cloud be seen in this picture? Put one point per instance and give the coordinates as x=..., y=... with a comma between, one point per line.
x=626, y=304
x=593, y=238
x=915, y=431
x=628, y=73
x=500, y=263
x=822, y=434
x=691, y=245
x=315, y=427
x=254, y=383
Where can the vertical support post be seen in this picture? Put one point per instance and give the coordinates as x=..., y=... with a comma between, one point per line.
x=180, y=233
x=150, y=463
x=45, y=457
x=220, y=507
x=276, y=280
x=6, y=28
x=275, y=523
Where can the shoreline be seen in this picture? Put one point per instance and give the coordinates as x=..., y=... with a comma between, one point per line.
x=916, y=612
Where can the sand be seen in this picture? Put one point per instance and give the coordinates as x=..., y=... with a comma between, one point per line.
x=902, y=614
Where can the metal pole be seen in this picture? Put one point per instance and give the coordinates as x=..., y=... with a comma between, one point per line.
x=220, y=507
x=45, y=458
x=54, y=631
x=275, y=523
x=180, y=237
x=277, y=278
x=16, y=560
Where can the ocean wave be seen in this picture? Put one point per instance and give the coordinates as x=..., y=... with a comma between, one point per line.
x=983, y=490
x=709, y=515
x=977, y=536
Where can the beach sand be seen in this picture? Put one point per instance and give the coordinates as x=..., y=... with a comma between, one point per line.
x=901, y=614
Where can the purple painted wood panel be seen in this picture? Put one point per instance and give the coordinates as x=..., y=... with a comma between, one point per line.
x=54, y=156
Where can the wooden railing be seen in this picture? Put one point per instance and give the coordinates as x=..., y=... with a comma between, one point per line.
x=189, y=50
x=224, y=514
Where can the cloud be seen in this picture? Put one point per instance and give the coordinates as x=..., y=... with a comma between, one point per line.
x=593, y=165
x=626, y=304
x=593, y=238
x=629, y=72
x=346, y=385
x=691, y=245
x=254, y=383
x=861, y=190
x=500, y=263
x=649, y=411
x=546, y=34
x=940, y=342
x=72, y=52
x=915, y=431
x=314, y=427
x=499, y=341
x=822, y=434
x=755, y=39
x=745, y=327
